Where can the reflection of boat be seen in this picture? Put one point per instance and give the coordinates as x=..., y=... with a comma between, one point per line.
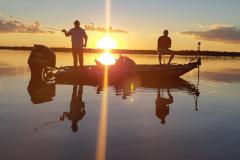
x=40, y=91
x=134, y=82
x=44, y=59
x=156, y=83
x=127, y=86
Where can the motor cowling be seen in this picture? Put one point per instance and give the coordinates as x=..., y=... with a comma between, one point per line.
x=40, y=58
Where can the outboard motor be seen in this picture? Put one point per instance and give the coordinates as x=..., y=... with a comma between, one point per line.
x=40, y=58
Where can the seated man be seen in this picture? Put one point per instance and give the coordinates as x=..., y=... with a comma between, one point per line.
x=164, y=43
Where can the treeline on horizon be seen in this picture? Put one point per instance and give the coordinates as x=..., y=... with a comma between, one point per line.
x=125, y=51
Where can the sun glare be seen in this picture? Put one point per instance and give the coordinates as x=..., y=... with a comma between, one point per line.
x=107, y=42
x=107, y=59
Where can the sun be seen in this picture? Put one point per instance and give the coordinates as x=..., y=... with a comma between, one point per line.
x=107, y=43
x=107, y=59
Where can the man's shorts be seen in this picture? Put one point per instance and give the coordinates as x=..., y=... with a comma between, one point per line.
x=77, y=50
x=162, y=51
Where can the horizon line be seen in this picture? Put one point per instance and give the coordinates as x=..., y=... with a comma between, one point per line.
x=131, y=51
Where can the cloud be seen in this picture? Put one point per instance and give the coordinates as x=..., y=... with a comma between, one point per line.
x=224, y=75
x=15, y=26
x=91, y=27
x=218, y=32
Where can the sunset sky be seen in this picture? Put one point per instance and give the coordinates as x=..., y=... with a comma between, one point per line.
x=136, y=23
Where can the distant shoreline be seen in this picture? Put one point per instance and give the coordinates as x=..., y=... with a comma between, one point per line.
x=125, y=51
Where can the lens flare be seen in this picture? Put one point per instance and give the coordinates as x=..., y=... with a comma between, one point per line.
x=107, y=59
x=108, y=13
x=107, y=43
x=102, y=131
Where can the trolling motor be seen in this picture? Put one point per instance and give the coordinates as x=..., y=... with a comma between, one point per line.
x=40, y=58
x=197, y=58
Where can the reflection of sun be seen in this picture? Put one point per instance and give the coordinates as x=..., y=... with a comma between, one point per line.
x=107, y=42
x=107, y=59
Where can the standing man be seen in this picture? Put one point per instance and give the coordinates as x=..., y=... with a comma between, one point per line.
x=164, y=43
x=79, y=40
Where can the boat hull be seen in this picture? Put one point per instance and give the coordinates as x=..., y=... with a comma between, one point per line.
x=115, y=73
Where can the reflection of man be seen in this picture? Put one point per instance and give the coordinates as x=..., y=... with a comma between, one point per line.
x=77, y=34
x=164, y=43
x=126, y=91
x=77, y=108
x=162, y=106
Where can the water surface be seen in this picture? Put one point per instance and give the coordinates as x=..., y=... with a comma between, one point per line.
x=200, y=121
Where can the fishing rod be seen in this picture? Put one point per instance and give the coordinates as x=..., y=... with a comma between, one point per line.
x=36, y=129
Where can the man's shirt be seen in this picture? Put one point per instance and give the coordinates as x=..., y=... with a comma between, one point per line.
x=77, y=35
x=164, y=42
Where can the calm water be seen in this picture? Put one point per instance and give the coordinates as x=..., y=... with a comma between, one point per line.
x=196, y=127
